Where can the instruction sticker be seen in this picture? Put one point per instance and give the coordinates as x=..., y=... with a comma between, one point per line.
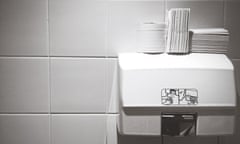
x=179, y=96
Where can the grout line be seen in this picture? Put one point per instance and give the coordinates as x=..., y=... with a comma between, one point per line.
x=49, y=72
x=107, y=31
x=23, y=113
x=224, y=13
x=162, y=141
x=165, y=11
x=86, y=56
x=60, y=113
x=235, y=59
x=87, y=113
x=108, y=98
x=106, y=87
x=26, y=56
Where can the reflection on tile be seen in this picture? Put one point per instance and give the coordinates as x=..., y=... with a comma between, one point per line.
x=112, y=85
x=78, y=27
x=204, y=13
x=23, y=27
x=112, y=129
x=24, y=84
x=24, y=129
x=124, y=18
x=78, y=129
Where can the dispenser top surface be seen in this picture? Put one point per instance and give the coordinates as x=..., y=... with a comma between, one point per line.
x=133, y=61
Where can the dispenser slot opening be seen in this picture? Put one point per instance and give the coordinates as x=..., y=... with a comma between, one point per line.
x=179, y=124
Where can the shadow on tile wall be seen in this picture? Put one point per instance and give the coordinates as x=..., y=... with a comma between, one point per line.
x=232, y=23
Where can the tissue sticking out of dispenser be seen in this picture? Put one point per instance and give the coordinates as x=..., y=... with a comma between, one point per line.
x=151, y=37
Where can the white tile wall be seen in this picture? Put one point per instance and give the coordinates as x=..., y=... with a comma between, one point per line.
x=124, y=18
x=24, y=129
x=78, y=129
x=86, y=84
x=24, y=85
x=23, y=27
x=78, y=85
x=78, y=27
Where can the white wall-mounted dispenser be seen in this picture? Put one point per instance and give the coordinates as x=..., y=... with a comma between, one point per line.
x=176, y=95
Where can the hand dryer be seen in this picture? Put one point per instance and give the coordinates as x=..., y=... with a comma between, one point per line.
x=176, y=95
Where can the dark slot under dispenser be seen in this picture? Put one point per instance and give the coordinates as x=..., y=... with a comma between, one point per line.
x=179, y=124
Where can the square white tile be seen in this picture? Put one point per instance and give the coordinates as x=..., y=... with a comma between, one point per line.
x=78, y=85
x=24, y=85
x=78, y=129
x=78, y=27
x=204, y=13
x=124, y=19
x=24, y=27
x=24, y=129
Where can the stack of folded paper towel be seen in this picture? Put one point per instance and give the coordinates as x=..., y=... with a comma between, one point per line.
x=181, y=40
x=213, y=40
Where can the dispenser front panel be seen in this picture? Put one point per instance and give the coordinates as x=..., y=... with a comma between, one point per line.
x=177, y=87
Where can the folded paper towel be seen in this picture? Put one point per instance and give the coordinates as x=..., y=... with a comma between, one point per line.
x=210, y=40
x=178, y=35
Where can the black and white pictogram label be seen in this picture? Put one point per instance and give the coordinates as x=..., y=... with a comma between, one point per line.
x=179, y=96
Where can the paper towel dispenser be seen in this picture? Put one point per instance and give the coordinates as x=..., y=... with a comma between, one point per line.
x=159, y=89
